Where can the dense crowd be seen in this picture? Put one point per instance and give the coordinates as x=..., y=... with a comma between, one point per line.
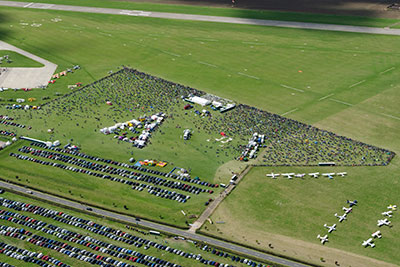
x=288, y=142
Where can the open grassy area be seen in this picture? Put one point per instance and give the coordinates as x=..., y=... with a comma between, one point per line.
x=232, y=12
x=18, y=60
x=342, y=82
x=290, y=213
x=183, y=245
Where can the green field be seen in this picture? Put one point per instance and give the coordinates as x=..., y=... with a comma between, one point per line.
x=232, y=12
x=18, y=60
x=165, y=240
x=346, y=83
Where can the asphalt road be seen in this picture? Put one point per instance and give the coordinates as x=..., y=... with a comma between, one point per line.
x=260, y=22
x=155, y=226
x=214, y=204
x=26, y=77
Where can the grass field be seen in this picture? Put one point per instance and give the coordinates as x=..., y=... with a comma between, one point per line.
x=289, y=214
x=233, y=12
x=165, y=240
x=18, y=60
x=342, y=82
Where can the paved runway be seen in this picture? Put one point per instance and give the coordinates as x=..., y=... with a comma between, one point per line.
x=260, y=22
x=26, y=77
x=156, y=226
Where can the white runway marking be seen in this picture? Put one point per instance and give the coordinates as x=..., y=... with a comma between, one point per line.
x=289, y=87
x=391, y=116
x=107, y=34
x=244, y=74
x=325, y=97
x=253, y=43
x=207, y=40
x=341, y=102
x=360, y=82
x=137, y=13
x=172, y=54
x=392, y=68
x=293, y=110
x=356, y=51
x=28, y=5
x=208, y=64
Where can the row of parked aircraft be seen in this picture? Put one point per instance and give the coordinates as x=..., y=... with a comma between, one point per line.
x=341, y=218
x=301, y=175
x=382, y=222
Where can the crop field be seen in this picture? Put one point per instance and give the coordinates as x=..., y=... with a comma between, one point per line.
x=343, y=83
x=79, y=233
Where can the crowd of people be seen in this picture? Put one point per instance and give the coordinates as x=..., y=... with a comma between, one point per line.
x=288, y=142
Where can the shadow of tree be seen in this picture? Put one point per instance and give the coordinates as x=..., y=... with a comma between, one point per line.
x=4, y=27
x=367, y=8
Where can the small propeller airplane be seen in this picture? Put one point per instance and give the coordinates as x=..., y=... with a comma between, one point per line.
x=314, y=174
x=330, y=228
x=392, y=207
x=341, y=218
x=288, y=175
x=299, y=175
x=347, y=210
x=352, y=203
x=323, y=239
x=369, y=242
x=273, y=175
x=383, y=222
x=387, y=213
x=341, y=174
x=329, y=175
x=377, y=234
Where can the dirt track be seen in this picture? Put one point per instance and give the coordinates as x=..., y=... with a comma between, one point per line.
x=370, y=8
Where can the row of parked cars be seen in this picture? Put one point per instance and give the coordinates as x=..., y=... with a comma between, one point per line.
x=111, y=170
x=233, y=257
x=21, y=219
x=80, y=254
x=11, y=123
x=125, y=165
x=29, y=256
x=179, y=197
x=109, y=232
x=7, y=133
x=4, y=264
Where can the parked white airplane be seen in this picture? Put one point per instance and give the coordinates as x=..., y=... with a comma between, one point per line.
x=341, y=173
x=329, y=175
x=299, y=175
x=341, y=218
x=288, y=175
x=392, y=207
x=347, y=210
x=273, y=175
x=383, y=222
x=331, y=228
x=314, y=174
x=377, y=234
x=323, y=239
x=369, y=242
x=387, y=213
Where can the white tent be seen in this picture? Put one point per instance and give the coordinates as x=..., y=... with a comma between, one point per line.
x=200, y=101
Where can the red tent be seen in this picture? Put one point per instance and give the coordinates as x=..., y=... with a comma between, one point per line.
x=223, y=134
